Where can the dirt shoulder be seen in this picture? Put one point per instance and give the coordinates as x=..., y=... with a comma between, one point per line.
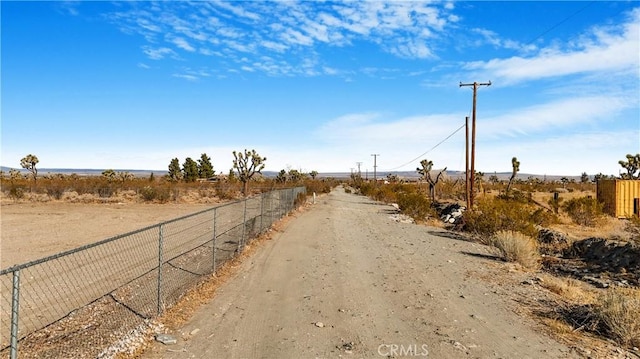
x=344, y=279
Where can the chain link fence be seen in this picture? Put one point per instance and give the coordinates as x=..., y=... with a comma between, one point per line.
x=92, y=301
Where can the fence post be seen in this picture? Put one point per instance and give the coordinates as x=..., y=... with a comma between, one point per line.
x=160, y=240
x=261, y=210
x=244, y=225
x=214, y=240
x=15, y=309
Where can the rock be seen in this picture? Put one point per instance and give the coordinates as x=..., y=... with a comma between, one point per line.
x=549, y=236
x=612, y=255
x=194, y=332
x=166, y=339
x=319, y=324
x=599, y=283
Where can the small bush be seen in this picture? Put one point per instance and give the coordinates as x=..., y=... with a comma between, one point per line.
x=497, y=214
x=56, y=191
x=415, y=205
x=517, y=247
x=301, y=199
x=150, y=194
x=347, y=190
x=619, y=309
x=16, y=193
x=583, y=211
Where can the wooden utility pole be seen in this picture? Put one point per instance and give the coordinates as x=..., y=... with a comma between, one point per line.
x=375, y=156
x=473, y=140
x=466, y=166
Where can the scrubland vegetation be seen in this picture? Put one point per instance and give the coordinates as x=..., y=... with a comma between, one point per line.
x=113, y=187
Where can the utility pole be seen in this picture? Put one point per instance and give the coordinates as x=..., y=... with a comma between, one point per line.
x=375, y=156
x=466, y=166
x=473, y=140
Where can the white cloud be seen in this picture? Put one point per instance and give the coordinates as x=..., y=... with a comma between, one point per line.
x=565, y=113
x=285, y=29
x=187, y=77
x=182, y=43
x=158, y=53
x=603, y=49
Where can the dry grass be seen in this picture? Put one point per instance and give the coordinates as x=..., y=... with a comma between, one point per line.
x=517, y=247
x=569, y=289
x=619, y=310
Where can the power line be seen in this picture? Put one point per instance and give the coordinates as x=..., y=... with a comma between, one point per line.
x=560, y=22
x=429, y=150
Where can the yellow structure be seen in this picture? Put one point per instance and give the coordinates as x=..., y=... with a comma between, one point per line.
x=621, y=198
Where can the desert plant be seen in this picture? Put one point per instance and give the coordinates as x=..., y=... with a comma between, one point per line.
x=425, y=174
x=496, y=214
x=619, y=309
x=247, y=164
x=517, y=247
x=415, y=205
x=29, y=163
x=515, y=164
x=301, y=199
x=584, y=211
x=632, y=165
x=150, y=194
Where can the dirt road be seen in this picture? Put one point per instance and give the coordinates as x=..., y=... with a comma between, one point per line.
x=346, y=280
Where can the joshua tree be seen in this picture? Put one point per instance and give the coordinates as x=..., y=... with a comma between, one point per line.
x=282, y=176
x=247, y=164
x=516, y=168
x=313, y=174
x=632, y=165
x=584, y=178
x=109, y=175
x=29, y=163
x=425, y=174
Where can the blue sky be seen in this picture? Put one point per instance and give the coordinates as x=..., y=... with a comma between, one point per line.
x=321, y=85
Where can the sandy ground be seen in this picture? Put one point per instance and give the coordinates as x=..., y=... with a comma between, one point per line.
x=30, y=231
x=345, y=280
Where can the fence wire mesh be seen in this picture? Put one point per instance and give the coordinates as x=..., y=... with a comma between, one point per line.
x=93, y=301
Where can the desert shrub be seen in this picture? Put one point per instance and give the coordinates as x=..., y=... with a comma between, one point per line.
x=225, y=191
x=150, y=194
x=415, y=205
x=56, y=190
x=319, y=186
x=301, y=198
x=517, y=247
x=584, y=211
x=347, y=190
x=497, y=214
x=544, y=218
x=451, y=189
x=16, y=192
x=633, y=227
x=619, y=309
